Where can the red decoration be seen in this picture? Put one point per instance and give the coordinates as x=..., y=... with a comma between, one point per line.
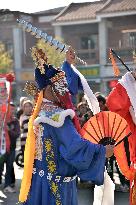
x=10, y=77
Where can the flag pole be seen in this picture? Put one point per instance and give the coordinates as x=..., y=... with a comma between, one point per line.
x=117, y=56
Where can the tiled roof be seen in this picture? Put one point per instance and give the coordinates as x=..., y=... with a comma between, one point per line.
x=50, y=11
x=119, y=6
x=7, y=11
x=80, y=11
x=89, y=10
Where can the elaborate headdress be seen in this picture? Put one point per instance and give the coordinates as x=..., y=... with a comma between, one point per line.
x=44, y=72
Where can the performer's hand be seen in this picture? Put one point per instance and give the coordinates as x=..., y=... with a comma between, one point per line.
x=109, y=150
x=70, y=55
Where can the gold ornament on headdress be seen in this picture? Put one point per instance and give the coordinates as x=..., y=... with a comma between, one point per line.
x=40, y=58
x=31, y=89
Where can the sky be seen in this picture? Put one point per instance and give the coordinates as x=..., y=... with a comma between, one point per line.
x=31, y=6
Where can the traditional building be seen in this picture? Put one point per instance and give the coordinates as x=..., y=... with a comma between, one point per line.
x=95, y=27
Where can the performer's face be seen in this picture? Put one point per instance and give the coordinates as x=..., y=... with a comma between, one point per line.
x=60, y=88
x=49, y=94
x=58, y=91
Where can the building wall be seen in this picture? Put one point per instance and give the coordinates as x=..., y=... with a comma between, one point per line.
x=118, y=36
x=73, y=35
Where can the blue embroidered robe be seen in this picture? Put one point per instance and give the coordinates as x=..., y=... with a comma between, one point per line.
x=60, y=153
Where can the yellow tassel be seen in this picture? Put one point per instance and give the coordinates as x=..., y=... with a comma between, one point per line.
x=29, y=153
x=114, y=65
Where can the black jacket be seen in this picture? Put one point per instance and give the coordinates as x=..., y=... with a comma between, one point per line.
x=14, y=132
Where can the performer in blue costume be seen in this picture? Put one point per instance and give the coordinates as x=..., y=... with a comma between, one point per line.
x=60, y=153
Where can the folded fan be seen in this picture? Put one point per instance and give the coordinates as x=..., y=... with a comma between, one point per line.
x=106, y=128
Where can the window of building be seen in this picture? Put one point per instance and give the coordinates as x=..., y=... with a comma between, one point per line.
x=129, y=38
x=89, y=42
x=132, y=39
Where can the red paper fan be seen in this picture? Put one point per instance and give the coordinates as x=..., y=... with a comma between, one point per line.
x=106, y=128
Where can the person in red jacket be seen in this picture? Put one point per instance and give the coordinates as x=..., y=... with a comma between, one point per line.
x=122, y=100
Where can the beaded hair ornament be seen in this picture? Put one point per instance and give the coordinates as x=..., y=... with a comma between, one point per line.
x=39, y=58
x=31, y=89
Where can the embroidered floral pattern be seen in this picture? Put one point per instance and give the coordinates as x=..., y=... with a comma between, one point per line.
x=52, y=169
x=56, y=117
x=52, y=111
x=50, y=157
x=58, y=202
x=48, y=146
x=55, y=178
x=51, y=166
x=54, y=187
x=41, y=173
x=49, y=107
x=38, y=144
x=34, y=170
